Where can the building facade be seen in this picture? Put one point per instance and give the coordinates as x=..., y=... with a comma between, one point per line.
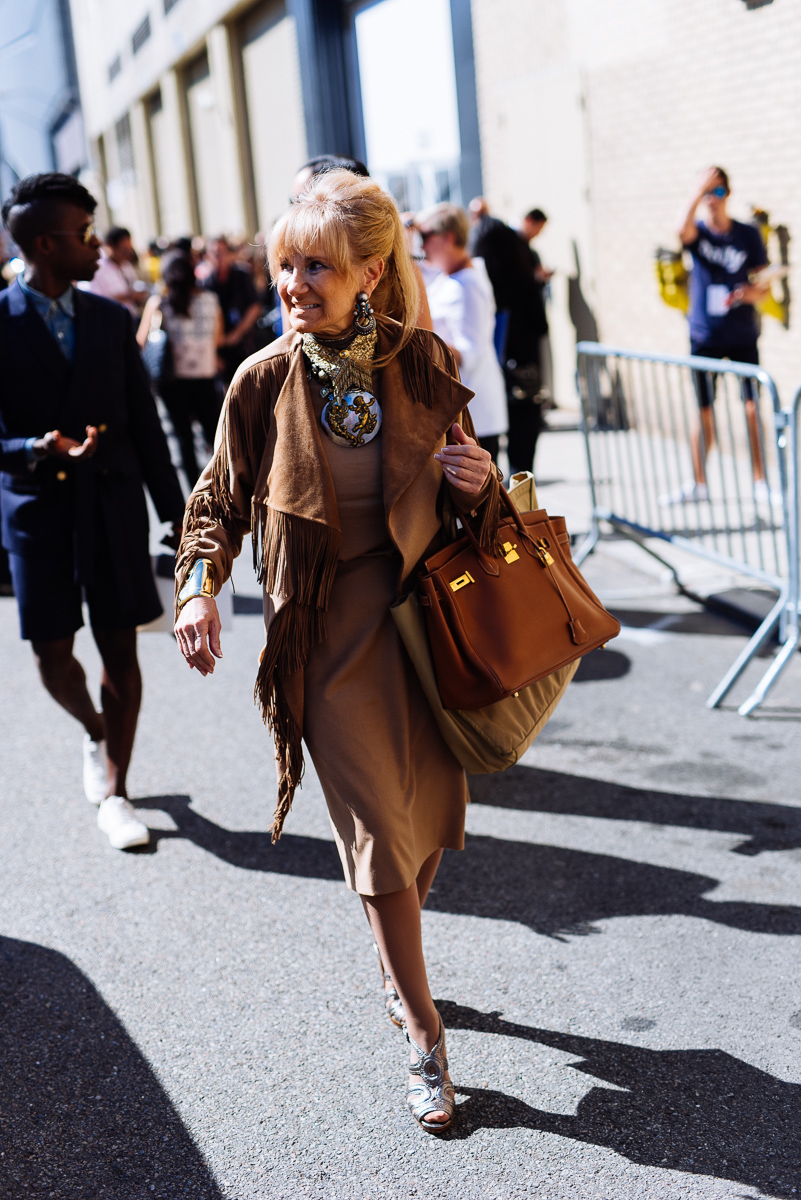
x=603, y=114
x=41, y=128
x=200, y=111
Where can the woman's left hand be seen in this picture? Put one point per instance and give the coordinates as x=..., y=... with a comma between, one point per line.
x=466, y=465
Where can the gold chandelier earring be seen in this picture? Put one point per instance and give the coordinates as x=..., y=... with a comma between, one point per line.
x=363, y=316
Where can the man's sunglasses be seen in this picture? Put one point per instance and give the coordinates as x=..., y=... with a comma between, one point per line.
x=719, y=191
x=85, y=235
x=425, y=234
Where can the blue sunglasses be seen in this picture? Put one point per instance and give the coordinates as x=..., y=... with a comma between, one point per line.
x=719, y=191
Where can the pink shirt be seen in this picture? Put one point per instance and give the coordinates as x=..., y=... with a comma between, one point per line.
x=113, y=281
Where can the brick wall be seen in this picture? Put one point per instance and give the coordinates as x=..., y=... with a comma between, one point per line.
x=603, y=114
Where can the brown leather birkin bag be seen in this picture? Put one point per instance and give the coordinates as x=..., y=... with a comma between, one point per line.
x=499, y=622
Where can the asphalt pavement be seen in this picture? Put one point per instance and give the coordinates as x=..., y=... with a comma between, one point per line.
x=615, y=954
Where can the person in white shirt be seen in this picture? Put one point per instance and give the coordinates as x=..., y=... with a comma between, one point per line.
x=193, y=321
x=116, y=276
x=462, y=307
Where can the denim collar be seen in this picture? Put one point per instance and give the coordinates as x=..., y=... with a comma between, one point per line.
x=65, y=301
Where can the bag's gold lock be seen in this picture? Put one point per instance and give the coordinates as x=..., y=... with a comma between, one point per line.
x=510, y=552
x=462, y=581
x=546, y=558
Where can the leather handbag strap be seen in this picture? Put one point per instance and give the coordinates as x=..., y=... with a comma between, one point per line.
x=491, y=566
x=488, y=564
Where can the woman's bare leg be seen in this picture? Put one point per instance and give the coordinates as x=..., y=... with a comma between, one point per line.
x=395, y=922
x=425, y=876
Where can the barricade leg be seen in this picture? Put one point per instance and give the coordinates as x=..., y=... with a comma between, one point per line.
x=769, y=678
x=753, y=647
x=589, y=543
x=638, y=538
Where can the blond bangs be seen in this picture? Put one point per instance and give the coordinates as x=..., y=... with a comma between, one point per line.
x=312, y=230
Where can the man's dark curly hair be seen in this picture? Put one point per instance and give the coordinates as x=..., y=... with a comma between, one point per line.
x=34, y=204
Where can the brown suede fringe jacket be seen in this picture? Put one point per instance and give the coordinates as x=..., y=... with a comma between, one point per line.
x=269, y=477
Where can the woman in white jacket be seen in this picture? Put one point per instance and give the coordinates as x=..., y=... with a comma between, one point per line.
x=463, y=313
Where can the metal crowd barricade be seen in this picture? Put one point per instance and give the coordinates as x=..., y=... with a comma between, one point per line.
x=640, y=412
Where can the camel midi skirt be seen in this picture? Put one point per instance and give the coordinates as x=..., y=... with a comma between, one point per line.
x=395, y=792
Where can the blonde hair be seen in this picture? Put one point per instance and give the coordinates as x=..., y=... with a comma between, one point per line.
x=445, y=218
x=350, y=221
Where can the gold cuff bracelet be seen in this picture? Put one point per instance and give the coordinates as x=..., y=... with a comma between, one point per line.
x=199, y=583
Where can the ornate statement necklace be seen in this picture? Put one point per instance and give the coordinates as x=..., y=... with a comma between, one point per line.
x=352, y=416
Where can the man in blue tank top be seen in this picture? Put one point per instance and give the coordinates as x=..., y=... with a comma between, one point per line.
x=723, y=320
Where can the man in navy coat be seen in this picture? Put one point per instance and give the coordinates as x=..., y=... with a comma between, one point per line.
x=79, y=436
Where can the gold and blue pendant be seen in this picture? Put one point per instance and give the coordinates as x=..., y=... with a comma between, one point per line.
x=353, y=419
x=352, y=415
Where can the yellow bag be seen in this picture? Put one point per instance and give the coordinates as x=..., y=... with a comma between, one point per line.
x=484, y=740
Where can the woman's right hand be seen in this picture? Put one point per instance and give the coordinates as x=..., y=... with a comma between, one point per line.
x=198, y=621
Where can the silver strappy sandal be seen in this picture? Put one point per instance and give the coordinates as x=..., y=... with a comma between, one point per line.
x=392, y=1001
x=434, y=1093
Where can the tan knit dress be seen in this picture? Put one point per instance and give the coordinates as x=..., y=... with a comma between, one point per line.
x=395, y=793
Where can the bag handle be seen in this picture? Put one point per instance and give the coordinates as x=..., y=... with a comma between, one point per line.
x=491, y=566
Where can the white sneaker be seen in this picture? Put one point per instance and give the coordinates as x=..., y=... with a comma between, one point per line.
x=95, y=770
x=687, y=493
x=117, y=818
x=764, y=495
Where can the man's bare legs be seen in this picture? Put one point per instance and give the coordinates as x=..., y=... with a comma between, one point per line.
x=121, y=697
x=395, y=921
x=120, y=692
x=65, y=680
x=703, y=439
x=754, y=440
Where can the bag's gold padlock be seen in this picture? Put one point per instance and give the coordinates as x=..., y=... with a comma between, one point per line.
x=546, y=558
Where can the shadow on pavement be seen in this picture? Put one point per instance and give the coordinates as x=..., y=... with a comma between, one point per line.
x=602, y=664
x=559, y=892
x=699, y=1111
x=294, y=854
x=766, y=826
x=81, y=1112
x=709, y=624
x=554, y=891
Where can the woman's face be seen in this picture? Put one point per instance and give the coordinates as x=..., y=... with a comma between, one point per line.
x=319, y=298
x=438, y=248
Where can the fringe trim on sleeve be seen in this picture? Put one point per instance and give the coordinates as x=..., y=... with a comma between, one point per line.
x=242, y=436
x=210, y=506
